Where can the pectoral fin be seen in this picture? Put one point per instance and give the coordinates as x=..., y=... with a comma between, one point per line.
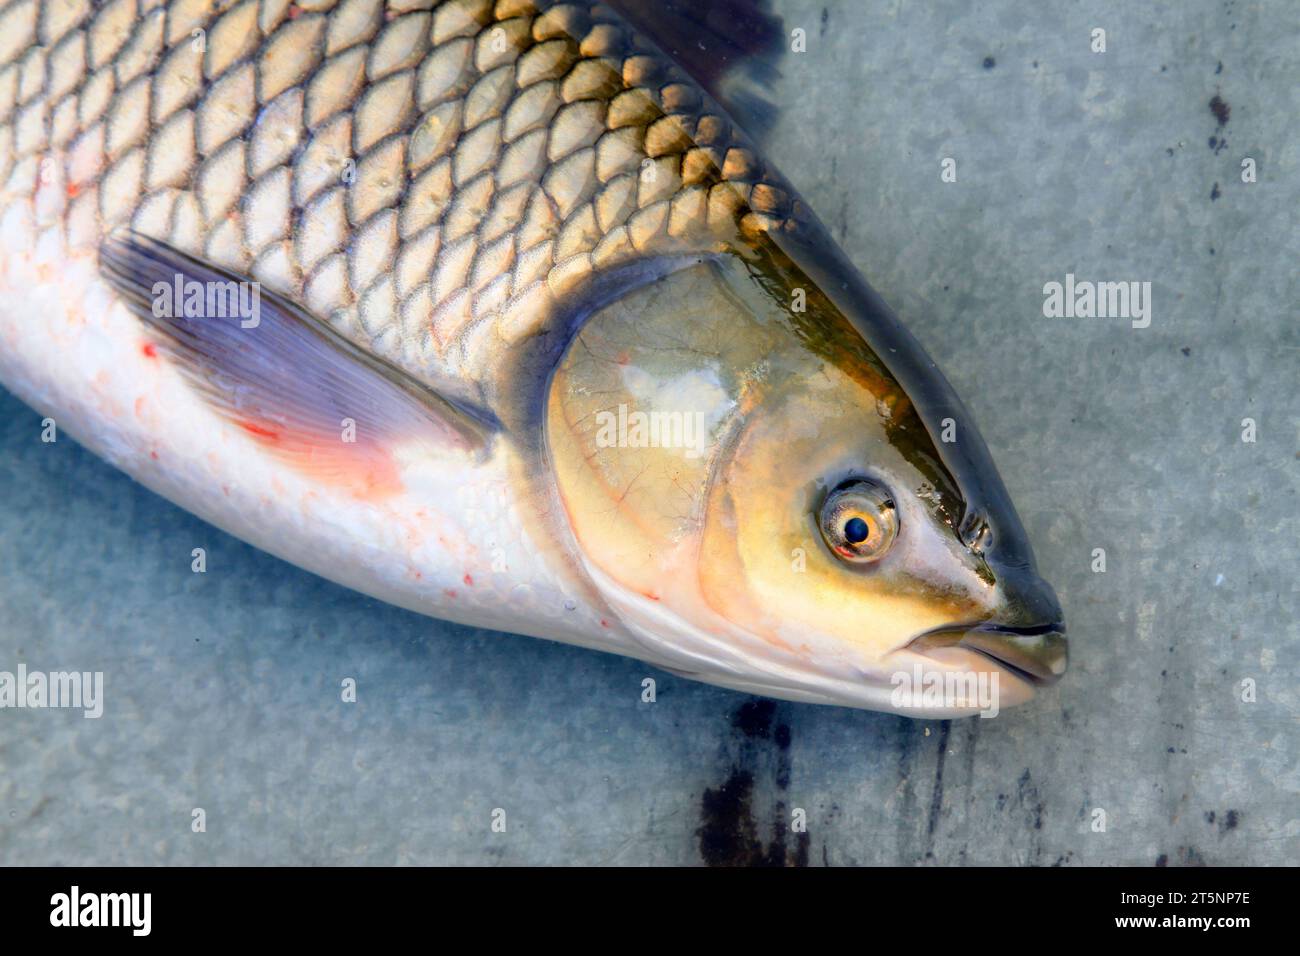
x=286, y=379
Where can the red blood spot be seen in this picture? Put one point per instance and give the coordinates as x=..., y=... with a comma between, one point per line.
x=295, y=11
x=469, y=580
x=450, y=592
x=604, y=623
x=259, y=431
x=153, y=455
x=623, y=358
x=72, y=190
x=149, y=350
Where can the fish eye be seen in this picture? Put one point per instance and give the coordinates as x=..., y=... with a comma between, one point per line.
x=859, y=521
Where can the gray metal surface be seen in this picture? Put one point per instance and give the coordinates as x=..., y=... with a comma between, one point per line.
x=222, y=690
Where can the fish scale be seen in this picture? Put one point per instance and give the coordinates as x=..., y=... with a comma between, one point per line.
x=431, y=177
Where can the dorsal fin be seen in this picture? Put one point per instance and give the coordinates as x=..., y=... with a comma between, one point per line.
x=729, y=47
x=287, y=380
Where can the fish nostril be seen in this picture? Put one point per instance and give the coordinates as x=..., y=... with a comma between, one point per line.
x=976, y=533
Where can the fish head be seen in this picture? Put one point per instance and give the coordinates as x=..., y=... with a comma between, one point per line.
x=777, y=491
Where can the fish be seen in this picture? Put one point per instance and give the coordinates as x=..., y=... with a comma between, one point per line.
x=495, y=310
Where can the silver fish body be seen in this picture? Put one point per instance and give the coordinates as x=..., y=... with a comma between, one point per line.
x=443, y=210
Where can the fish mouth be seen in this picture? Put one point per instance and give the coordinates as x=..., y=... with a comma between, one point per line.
x=1038, y=653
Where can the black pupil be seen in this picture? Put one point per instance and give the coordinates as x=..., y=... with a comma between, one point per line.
x=856, y=531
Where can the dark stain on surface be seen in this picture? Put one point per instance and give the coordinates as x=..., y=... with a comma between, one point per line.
x=989, y=63
x=1214, y=193
x=782, y=738
x=728, y=835
x=729, y=830
x=1228, y=822
x=936, y=796
x=1184, y=856
x=1027, y=794
x=1026, y=808
x=1221, y=110
x=754, y=718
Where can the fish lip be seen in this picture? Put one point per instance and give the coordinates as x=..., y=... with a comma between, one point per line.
x=1038, y=653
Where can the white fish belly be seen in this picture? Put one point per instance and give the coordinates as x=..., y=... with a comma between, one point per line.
x=451, y=543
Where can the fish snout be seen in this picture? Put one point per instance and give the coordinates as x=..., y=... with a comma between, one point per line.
x=1024, y=634
x=1028, y=630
